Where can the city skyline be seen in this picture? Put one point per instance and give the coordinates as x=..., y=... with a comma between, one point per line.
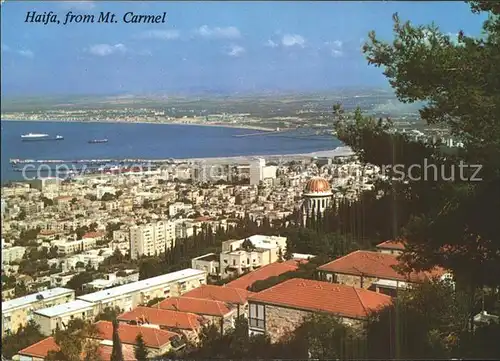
x=219, y=47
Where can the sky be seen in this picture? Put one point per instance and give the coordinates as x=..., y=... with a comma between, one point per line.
x=206, y=46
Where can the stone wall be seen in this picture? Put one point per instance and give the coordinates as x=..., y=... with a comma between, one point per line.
x=280, y=321
x=351, y=280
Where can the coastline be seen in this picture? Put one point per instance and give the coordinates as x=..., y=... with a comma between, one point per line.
x=220, y=125
x=340, y=151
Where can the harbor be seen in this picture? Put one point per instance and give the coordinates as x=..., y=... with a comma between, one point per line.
x=337, y=152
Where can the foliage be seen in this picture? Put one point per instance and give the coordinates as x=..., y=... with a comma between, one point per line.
x=154, y=301
x=22, y=338
x=429, y=321
x=324, y=336
x=75, y=341
x=27, y=237
x=77, y=281
x=140, y=350
x=109, y=314
x=117, y=352
x=458, y=81
x=106, y=197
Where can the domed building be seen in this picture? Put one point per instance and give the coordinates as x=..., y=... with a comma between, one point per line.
x=316, y=197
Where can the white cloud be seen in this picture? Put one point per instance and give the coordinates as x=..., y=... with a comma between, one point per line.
x=235, y=50
x=335, y=47
x=106, y=49
x=26, y=53
x=23, y=52
x=229, y=32
x=293, y=40
x=271, y=44
x=78, y=5
x=160, y=34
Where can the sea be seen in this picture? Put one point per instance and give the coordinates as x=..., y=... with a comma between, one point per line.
x=144, y=141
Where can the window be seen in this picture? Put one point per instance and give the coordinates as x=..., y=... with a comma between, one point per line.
x=256, y=318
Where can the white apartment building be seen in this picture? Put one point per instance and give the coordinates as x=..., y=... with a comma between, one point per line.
x=260, y=172
x=59, y=316
x=152, y=238
x=17, y=312
x=131, y=295
x=11, y=254
x=256, y=171
x=177, y=207
x=70, y=247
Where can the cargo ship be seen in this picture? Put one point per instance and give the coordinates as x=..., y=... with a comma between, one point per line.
x=96, y=141
x=30, y=137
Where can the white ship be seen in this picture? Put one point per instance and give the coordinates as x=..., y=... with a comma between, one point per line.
x=39, y=137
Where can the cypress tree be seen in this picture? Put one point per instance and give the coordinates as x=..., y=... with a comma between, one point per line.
x=117, y=352
x=140, y=350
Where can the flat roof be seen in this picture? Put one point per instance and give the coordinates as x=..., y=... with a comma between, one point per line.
x=73, y=306
x=26, y=300
x=141, y=285
x=207, y=257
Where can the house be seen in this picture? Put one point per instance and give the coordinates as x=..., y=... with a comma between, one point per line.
x=157, y=341
x=374, y=271
x=239, y=256
x=17, y=312
x=187, y=324
x=233, y=296
x=283, y=307
x=271, y=270
x=219, y=313
x=391, y=247
x=40, y=350
x=208, y=262
x=59, y=316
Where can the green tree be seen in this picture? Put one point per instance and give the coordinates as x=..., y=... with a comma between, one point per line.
x=75, y=342
x=324, y=336
x=457, y=80
x=140, y=350
x=109, y=314
x=117, y=352
x=106, y=197
x=25, y=336
x=77, y=281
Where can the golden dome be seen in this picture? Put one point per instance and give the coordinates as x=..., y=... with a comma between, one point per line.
x=317, y=185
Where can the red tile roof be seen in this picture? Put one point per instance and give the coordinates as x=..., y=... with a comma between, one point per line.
x=320, y=296
x=203, y=219
x=153, y=337
x=161, y=317
x=220, y=293
x=375, y=264
x=198, y=306
x=271, y=270
x=398, y=245
x=94, y=234
x=127, y=350
x=41, y=348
